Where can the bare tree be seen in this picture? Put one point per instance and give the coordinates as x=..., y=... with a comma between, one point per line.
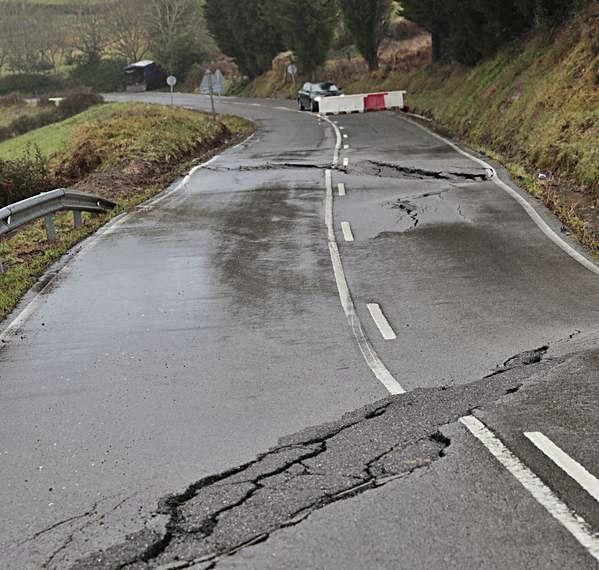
x=4, y=44
x=169, y=17
x=20, y=37
x=177, y=32
x=90, y=30
x=51, y=38
x=127, y=26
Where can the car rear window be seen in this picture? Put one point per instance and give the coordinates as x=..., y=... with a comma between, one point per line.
x=328, y=86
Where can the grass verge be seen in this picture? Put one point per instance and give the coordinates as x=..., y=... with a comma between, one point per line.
x=123, y=152
x=54, y=140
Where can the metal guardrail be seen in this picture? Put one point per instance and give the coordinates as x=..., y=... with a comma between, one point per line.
x=45, y=205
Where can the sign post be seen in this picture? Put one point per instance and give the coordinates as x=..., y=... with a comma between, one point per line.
x=292, y=72
x=211, y=92
x=171, y=81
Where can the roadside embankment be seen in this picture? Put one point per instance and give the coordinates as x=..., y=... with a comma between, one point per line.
x=534, y=107
x=123, y=152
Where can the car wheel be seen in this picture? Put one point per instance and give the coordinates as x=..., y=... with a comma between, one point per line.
x=315, y=106
x=300, y=104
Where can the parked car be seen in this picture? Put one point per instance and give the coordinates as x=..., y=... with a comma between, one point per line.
x=311, y=93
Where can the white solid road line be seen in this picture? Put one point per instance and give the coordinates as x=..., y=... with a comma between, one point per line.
x=347, y=233
x=532, y=213
x=586, y=480
x=341, y=189
x=572, y=522
x=372, y=359
x=381, y=321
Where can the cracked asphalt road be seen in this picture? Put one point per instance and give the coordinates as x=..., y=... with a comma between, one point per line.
x=262, y=514
x=197, y=333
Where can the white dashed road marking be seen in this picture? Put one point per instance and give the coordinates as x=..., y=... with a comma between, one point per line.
x=347, y=233
x=381, y=321
x=376, y=365
x=341, y=188
x=586, y=480
x=572, y=522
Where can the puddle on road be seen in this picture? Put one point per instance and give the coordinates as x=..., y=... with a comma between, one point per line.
x=270, y=249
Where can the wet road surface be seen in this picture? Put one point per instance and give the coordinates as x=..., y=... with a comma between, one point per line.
x=198, y=332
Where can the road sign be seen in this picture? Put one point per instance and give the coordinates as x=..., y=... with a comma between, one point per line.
x=292, y=71
x=213, y=82
x=171, y=81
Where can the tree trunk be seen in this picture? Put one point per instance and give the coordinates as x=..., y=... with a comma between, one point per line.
x=373, y=61
x=437, y=46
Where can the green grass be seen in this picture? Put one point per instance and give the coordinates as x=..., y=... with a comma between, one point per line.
x=55, y=139
x=11, y=112
x=155, y=133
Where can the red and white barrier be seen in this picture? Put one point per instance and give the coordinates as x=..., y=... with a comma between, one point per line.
x=341, y=104
x=361, y=102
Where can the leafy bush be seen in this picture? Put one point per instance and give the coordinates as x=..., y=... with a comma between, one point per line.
x=33, y=84
x=24, y=177
x=194, y=75
x=11, y=99
x=78, y=102
x=44, y=101
x=26, y=123
x=102, y=76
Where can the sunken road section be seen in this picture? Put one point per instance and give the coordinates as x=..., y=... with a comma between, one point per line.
x=385, y=441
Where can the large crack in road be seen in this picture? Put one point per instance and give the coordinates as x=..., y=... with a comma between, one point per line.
x=392, y=170
x=385, y=441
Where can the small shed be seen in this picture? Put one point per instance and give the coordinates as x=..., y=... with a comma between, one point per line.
x=144, y=75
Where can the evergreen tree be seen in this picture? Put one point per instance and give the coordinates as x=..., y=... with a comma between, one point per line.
x=307, y=29
x=551, y=12
x=367, y=20
x=468, y=30
x=246, y=32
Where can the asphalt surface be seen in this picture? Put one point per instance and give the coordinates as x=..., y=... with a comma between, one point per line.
x=196, y=333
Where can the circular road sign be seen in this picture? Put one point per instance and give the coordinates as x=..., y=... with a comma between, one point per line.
x=171, y=81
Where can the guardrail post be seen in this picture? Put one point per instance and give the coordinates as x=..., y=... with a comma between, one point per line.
x=77, y=218
x=50, y=229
